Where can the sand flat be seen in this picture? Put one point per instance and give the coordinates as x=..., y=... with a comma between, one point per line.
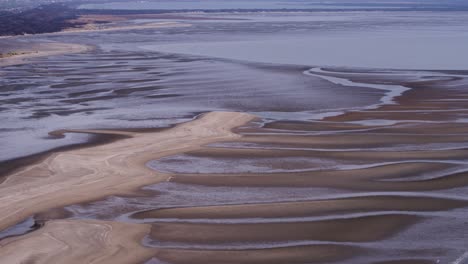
x=358, y=229
x=415, y=147
x=90, y=173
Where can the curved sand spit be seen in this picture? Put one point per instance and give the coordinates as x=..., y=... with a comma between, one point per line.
x=86, y=174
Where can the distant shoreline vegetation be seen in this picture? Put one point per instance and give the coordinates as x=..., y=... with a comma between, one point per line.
x=60, y=16
x=43, y=19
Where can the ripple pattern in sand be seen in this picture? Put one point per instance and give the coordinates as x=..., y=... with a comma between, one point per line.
x=381, y=185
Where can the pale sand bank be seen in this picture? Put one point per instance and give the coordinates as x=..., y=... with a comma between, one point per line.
x=65, y=241
x=112, y=27
x=87, y=174
x=21, y=55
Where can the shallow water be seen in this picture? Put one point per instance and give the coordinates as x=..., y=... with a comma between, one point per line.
x=128, y=83
x=137, y=90
x=391, y=52
x=19, y=229
x=271, y=5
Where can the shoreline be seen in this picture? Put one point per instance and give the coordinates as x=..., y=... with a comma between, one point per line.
x=17, y=56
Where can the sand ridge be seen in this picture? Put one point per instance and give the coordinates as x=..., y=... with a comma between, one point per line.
x=86, y=174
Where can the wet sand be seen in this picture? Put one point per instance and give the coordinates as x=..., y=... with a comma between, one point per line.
x=305, y=209
x=302, y=254
x=358, y=229
x=381, y=185
x=380, y=179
